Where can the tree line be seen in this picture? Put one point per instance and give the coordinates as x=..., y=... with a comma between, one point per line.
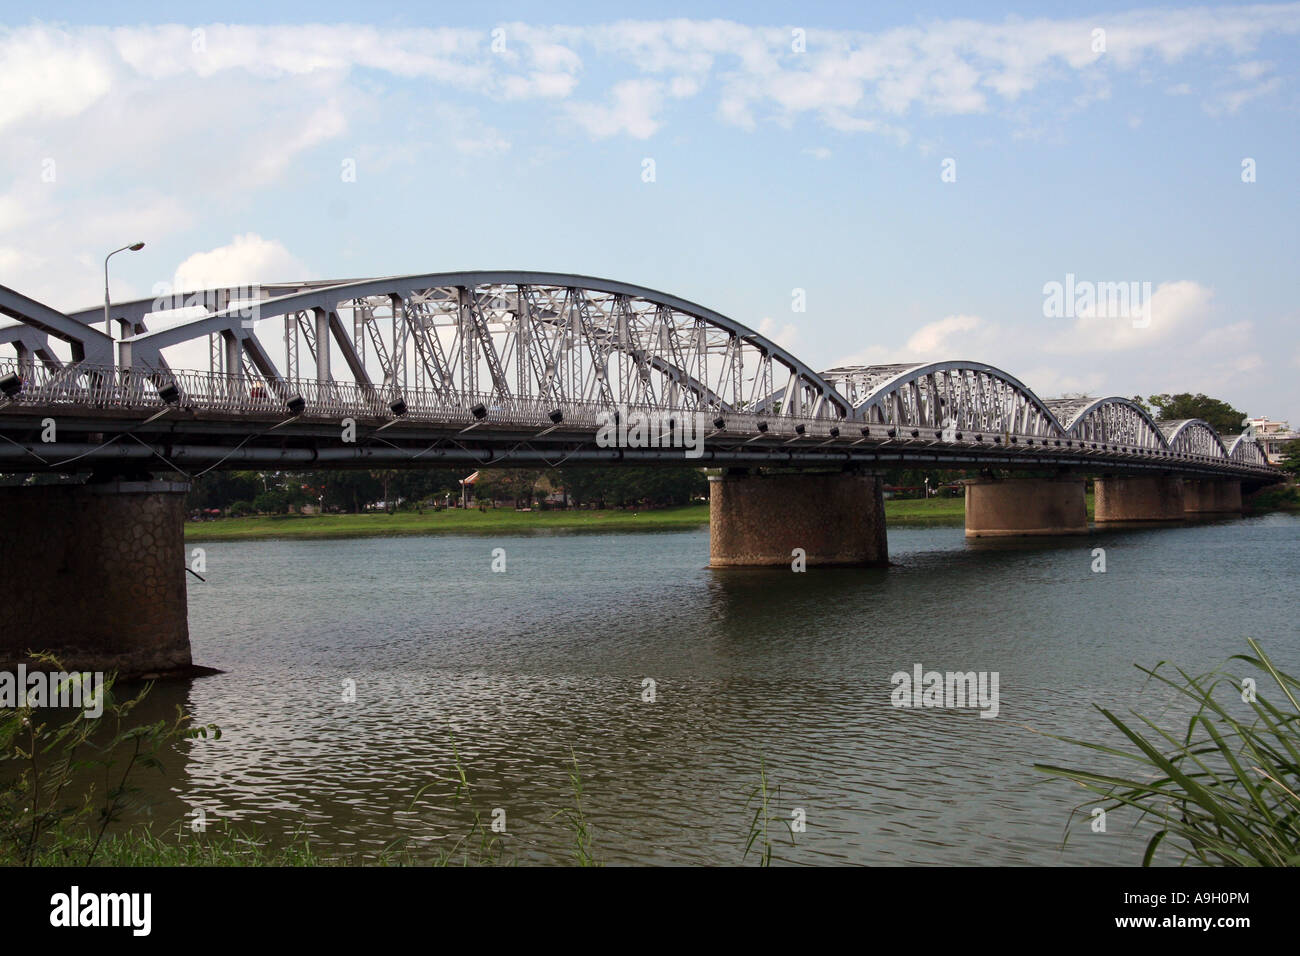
x=259, y=492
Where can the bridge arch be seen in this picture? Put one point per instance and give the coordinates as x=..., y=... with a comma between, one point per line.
x=1246, y=450
x=969, y=396
x=1193, y=437
x=510, y=336
x=1109, y=421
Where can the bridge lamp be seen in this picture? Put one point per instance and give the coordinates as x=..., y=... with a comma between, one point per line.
x=297, y=404
x=762, y=426
x=720, y=423
x=835, y=431
x=170, y=395
x=958, y=436
x=133, y=247
x=799, y=429
x=11, y=385
x=556, y=416
x=866, y=432
x=916, y=433
x=979, y=438
x=479, y=411
x=398, y=407
x=892, y=432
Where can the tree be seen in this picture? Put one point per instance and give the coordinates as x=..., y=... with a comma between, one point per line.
x=1225, y=419
x=349, y=490
x=514, y=483
x=1291, y=460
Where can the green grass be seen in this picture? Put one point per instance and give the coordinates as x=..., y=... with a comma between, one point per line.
x=1221, y=790
x=451, y=521
x=899, y=511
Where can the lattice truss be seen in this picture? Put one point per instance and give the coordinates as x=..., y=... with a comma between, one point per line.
x=956, y=395
x=1193, y=437
x=559, y=344
x=1112, y=421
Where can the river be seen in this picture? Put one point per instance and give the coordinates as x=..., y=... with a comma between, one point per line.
x=753, y=671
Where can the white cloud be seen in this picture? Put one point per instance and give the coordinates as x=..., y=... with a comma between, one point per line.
x=785, y=335
x=938, y=338
x=958, y=336
x=1173, y=307
x=246, y=260
x=632, y=110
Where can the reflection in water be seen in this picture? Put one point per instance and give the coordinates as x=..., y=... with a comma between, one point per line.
x=531, y=668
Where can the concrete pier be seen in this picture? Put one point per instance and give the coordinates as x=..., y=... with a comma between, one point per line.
x=95, y=574
x=1002, y=507
x=1211, y=496
x=759, y=520
x=1138, y=499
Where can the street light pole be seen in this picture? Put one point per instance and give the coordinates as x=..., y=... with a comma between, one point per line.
x=134, y=247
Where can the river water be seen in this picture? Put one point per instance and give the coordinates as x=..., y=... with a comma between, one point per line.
x=530, y=669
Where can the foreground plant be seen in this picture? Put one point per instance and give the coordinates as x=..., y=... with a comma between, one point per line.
x=761, y=799
x=1223, y=790
x=52, y=808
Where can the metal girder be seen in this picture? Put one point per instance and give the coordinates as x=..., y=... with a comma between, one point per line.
x=88, y=345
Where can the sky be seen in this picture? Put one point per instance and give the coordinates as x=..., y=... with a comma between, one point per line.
x=916, y=177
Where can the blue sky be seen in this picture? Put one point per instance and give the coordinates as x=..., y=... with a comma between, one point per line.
x=775, y=170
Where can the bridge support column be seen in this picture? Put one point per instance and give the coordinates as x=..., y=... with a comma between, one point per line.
x=95, y=574
x=1124, y=499
x=1025, y=506
x=759, y=520
x=1212, y=496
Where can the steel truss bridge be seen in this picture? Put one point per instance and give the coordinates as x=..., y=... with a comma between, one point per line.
x=520, y=368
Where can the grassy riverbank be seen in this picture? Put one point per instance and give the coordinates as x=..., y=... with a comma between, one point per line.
x=508, y=521
x=450, y=521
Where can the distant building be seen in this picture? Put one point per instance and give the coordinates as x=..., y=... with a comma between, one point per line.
x=1272, y=437
x=467, y=489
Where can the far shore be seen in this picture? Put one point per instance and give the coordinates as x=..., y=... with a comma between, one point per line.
x=935, y=511
x=899, y=512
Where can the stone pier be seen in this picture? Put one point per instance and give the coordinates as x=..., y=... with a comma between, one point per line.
x=1138, y=499
x=759, y=520
x=1002, y=507
x=95, y=574
x=1211, y=496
